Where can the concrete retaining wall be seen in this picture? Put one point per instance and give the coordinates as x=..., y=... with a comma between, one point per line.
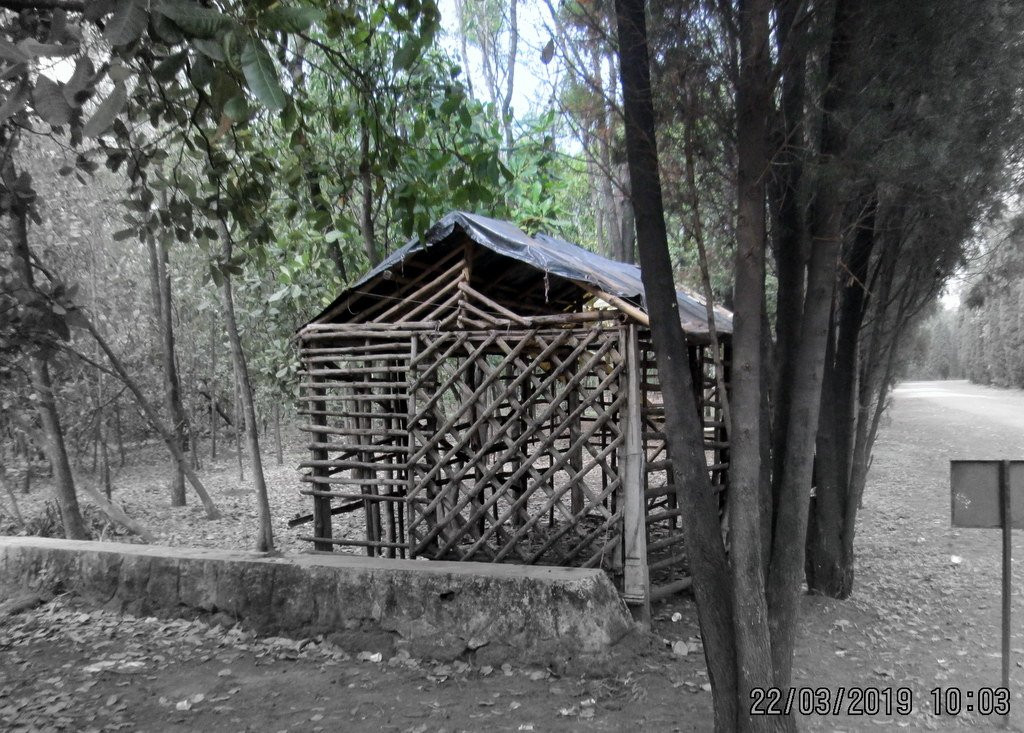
x=438, y=609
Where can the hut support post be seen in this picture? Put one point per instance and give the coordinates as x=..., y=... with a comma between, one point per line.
x=635, y=583
x=416, y=439
x=321, y=504
x=364, y=427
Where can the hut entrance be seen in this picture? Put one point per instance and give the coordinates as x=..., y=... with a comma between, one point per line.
x=469, y=404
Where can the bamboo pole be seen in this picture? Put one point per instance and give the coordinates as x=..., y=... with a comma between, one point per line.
x=348, y=481
x=554, y=499
x=466, y=288
x=636, y=580
x=511, y=419
x=628, y=308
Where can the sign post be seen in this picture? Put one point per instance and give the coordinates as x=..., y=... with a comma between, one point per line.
x=990, y=494
x=1006, y=507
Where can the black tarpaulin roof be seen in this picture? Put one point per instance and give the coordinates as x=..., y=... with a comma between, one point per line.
x=548, y=254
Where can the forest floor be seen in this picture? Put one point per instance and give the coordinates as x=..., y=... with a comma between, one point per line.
x=925, y=614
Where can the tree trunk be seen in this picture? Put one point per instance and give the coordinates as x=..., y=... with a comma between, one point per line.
x=277, y=434
x=161, y=288
x=95, y=442
x=872, y=390
x=239, y=423
x=609, y=228
x=510, y=75
x=15, y=510
x=828, y=572
x=486, y=50
x=118, y=515
x=366, y=209
x=627, y=226
x=154, y=418
x=46, y=406
x=787, y=562
x=708, y=565
x=697, y=227
x=213, y=390
x=750, y=611
x=467, y=77
x=264, y=534
x=823, y=541
x=104, y=458
x=119, y=431
x=788, y=554
x=790, y=241
x=872, y=379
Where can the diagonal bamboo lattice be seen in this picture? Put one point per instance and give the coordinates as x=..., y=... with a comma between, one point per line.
x=516, y=441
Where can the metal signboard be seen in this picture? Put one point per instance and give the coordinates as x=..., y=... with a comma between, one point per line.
x=989, y=495
x=975, y=495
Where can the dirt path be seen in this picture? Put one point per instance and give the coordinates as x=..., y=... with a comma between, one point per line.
x=926, y=611
x=988, y=406
x=917, y=620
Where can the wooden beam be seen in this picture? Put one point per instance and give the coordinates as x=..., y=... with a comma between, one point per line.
x=476, y=295
x=626, y=307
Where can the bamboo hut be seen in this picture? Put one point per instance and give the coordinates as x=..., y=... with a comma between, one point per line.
x=483, y=395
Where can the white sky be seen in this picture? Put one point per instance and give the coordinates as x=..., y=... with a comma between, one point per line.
x=533, y=80
x=950, y=297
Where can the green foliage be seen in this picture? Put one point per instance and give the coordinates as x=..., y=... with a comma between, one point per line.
x=32, y=319
x=262, y=76
x=180, y=99
x=986, y=340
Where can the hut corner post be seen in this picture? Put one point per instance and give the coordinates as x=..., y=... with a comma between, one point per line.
x=636, y=581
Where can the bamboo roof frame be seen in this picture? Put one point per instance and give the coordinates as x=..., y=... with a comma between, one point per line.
x=420, y=274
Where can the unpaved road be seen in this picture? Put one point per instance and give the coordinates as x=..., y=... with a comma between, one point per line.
x=934, y=590
x=991, y=407
x=918, y=619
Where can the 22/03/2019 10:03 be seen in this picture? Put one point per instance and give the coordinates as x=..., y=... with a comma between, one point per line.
x=876, y=701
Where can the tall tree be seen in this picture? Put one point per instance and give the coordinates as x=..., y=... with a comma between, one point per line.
x=918, y=183
x=761, y=595
x=711, y=572
x=588, y=100
x=15, y=199
x=750, y=608
x=264, y=534
x=785, y=573
x=163, y=315
x=493, y=27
